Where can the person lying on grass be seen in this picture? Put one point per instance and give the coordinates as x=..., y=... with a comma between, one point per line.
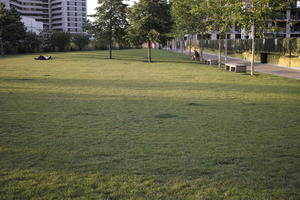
x=43, y=58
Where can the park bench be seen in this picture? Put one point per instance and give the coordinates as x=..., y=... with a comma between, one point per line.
x=211, y=61
x=235, y=67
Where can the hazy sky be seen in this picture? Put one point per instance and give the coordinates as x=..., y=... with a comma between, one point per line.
x=92, y=4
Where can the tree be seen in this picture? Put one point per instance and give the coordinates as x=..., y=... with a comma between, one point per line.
x=256, y=15
x=150, y=21
x=110, y=22
x=46, y=43
x=221, y=18
x=30, y=43
x=81, y=40
x=2, y=24
x=60, y=40
x=12, y=30
x=190, y=18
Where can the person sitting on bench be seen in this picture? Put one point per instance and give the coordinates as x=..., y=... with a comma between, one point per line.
x=196, y=55
x=43, y=58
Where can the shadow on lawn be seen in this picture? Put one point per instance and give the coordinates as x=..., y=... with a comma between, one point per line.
x=145, y=85
x=145, y=60
x=120, y=55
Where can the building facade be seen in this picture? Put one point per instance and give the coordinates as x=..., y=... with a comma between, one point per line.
x=32, y=25
x=288, y=26
x=58, y=15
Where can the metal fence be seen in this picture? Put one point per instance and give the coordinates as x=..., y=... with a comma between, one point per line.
x=283, y=46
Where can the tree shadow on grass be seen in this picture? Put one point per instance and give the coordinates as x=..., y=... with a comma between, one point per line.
x=159, y=85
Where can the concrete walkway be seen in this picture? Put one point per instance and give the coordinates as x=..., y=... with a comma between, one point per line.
x=288, y=72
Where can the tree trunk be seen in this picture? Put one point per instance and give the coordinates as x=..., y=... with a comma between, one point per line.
x=110, y=45
x=201, y=48
x=1, y=47
x=219, y=60
x=253, y=49
x=290, y=47
x=226, y=48
x=110, y=30
x=181, y=45
x=149, y=52
x=190, y=50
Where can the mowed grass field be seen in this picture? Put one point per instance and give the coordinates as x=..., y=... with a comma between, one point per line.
x=82, y=126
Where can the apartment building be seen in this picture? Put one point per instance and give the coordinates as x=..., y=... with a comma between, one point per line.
x=59, y=15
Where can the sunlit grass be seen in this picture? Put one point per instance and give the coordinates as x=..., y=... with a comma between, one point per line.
x=83, y=126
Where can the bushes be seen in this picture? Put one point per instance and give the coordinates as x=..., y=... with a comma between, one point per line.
x=60, y=40
x=81, y=40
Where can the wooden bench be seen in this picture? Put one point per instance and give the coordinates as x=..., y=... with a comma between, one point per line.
x=211, y=62
x=235, y=67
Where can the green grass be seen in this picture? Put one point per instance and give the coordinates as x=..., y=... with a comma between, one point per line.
x=85, y=127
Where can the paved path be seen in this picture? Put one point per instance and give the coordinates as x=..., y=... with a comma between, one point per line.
x=273, y=69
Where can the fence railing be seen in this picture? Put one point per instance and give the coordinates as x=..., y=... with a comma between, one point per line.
x=289, y=46
x=283, y=46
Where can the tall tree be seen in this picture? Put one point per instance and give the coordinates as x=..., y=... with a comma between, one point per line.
x=150, y=21
x=110, y=21
x=12, y=30
x=256, y=15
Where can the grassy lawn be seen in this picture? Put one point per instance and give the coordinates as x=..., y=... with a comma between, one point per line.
x=85, y=127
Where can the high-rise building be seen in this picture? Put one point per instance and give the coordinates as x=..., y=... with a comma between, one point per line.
x=59, y=15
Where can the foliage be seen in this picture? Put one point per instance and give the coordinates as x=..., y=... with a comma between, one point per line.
x=2, y=21
x=150, y=21
x=100, y=42
x=110, y=23
x=12, y=30
x=256, y=15
x=221, y=15
x=81, y=40
x=60, y=40
x=221, y=18
x=291, y=46
x=190, y=17
x=31, y=43
x=46, y=45
x=84, y=127
x=259, y=13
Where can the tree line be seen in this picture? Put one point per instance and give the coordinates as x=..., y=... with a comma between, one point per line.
x=115, y=25
x=205, y=16
x=146, y=21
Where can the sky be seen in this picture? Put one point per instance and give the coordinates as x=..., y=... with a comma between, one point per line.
x=92, y=4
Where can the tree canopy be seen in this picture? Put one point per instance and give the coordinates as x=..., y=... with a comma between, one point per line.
x=60, y=39
x=110, y=22
x=150, y=21
x=190, y=17
x=81, y=40
x=255, y=16
x=12, y=30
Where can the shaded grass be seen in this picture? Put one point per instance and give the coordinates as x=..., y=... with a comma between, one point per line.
x=82, y=126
